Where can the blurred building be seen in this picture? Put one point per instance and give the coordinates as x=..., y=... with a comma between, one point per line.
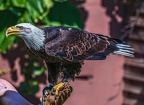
x=100, y=82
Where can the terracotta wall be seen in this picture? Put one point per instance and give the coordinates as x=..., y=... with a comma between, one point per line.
x=105, y=88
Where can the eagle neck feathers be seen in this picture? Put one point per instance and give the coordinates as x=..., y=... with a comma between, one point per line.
x=36, y=40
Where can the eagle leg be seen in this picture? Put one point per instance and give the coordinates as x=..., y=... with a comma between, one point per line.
x=60, y=86
x=69, y=70
x=53, y=72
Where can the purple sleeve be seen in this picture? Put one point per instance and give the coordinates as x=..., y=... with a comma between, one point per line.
x=13, y=98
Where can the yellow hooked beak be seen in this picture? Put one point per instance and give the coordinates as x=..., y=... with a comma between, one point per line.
x=12, y=31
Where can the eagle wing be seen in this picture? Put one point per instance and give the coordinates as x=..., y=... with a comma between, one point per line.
x=73, y=44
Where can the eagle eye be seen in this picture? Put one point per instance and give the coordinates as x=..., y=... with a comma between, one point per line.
x=19, y=27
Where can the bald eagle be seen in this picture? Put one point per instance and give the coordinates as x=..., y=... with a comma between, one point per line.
x=65, y=48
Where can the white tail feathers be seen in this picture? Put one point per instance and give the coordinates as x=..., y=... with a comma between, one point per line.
x=125, y=50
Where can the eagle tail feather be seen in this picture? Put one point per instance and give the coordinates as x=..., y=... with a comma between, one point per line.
x=124, y=49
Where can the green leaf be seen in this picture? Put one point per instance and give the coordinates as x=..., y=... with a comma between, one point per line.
x=3, y=4
x=34, y=83
x=25, y=18
x=19, y=3
x=36, y=10
x=47, y=4
x=65, y=13
x=38, y=72
x=6, y=43
x=16, y=11
x=29, y=87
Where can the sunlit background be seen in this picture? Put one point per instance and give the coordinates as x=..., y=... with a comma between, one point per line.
x=100, y=82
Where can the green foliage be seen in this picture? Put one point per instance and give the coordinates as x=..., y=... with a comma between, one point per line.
x=65, y=14
x=31, y=71
x=30, y=87
x=17, y=11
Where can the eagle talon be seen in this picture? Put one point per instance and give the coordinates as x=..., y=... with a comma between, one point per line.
x=57, y=88
x=47, y=89
x=57, y=95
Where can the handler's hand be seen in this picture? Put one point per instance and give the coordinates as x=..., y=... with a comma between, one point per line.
x=9, y=95
x=4, y=86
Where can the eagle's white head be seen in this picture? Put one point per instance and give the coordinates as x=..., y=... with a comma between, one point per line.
x=33, y=36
